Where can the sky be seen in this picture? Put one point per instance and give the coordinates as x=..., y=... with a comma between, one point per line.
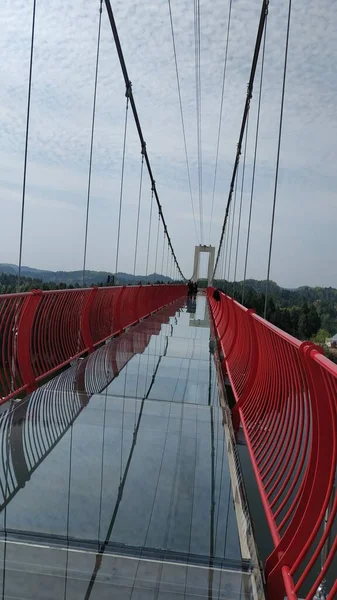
x=60, y=125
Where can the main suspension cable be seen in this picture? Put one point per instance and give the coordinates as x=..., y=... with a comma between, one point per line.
x=220, y=117
x=138, y=126
x=182, y=120
x=263, y=15
x=92, y=143
x=254, y=163
x=277, y=159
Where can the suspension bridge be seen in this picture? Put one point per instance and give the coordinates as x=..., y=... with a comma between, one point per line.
x=133, y=416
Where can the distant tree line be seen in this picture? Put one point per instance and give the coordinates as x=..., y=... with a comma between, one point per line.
x=302, y=312
x=9, y=284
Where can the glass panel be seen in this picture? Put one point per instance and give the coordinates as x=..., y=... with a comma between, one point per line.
x=124, y=453
x=48, y=573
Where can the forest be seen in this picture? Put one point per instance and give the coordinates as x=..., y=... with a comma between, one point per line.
x=9, y=282
x=305, y=312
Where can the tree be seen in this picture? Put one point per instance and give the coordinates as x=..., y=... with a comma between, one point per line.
x=271, y=311
x=309, y=322
x=321, y=336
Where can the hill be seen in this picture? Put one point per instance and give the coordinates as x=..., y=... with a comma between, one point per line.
x=76, y=277
x=301, y=312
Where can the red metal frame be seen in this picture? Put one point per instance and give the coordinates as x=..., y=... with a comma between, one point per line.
x=41, y=332
x=286, y=402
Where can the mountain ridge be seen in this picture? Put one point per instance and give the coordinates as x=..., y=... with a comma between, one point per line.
x=73, y=277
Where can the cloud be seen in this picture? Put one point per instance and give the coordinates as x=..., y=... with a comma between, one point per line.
x=61, y=111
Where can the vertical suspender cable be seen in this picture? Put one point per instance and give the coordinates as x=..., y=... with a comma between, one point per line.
x=231, y=242
x=240, y=209
x=264, y=11
x=149, y=235
x=277, y=159
x=198, y=105
x=138, y=214
x=162, y=256
x=122, y=180
x=92, y=142
x=167, y=259
x=254, y=162
x=26, y=142
x=182, y=119
x=200, y=136
x=156, y=257
x=221, y=261
x=227, y=244
x=137, y=121
x=220, y=117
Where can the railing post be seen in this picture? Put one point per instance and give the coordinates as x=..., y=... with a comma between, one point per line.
x=85, y=320
x=24, y=336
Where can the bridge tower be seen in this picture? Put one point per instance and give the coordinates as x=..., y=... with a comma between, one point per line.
x=197, y=251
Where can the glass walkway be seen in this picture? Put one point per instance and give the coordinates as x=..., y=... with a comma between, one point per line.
x=115, y=477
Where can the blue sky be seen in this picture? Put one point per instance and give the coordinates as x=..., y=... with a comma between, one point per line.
x=63, y=77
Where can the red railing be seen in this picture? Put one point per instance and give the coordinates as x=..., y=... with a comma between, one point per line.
x=286, y=402
x=41, y=332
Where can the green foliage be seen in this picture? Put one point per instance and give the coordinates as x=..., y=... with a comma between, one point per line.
x=301, y=312
x=309, y=322
x=321, y=336
x=73, y=278
x=9, y=284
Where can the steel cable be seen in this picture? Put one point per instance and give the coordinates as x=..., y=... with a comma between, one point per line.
x=240, y=208
x=231, y=242
x=122, y=181
x=137, y=123
x=26, y=142
x=92, y=142
x=138, y=214
x=263, y=15
x=277, y=158
x=254, y=164
x=220, y=117
x=182, y=119
x=198, y=107
x=149, y=235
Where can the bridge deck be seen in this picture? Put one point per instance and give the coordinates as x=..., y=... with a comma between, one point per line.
x=115, y=479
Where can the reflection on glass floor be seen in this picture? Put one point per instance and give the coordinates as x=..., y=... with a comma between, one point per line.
x=114, y=480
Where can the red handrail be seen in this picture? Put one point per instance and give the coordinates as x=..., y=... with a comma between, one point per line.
x=42, y=331
x=286, y=402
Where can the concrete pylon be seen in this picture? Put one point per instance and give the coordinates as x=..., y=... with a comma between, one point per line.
x=197, y=251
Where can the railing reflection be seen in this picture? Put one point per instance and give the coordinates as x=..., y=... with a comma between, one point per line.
x=31, y=429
